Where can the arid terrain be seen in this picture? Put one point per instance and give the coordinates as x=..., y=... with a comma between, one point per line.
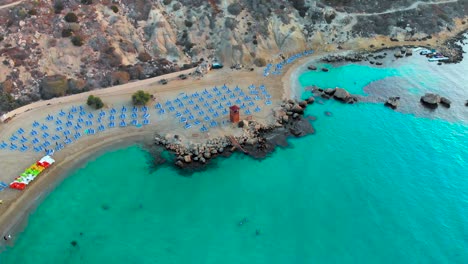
x=52, y=48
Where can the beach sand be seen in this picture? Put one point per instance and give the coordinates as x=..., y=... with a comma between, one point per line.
x=18, y=204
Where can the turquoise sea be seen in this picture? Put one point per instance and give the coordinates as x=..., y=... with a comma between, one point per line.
x=372, y=185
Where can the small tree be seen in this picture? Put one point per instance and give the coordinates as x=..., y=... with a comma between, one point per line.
x=91, y=100
x=77, y=41
x=95, y=101
x=58, y=6
x=114, y=8
x=71, y=18
x=66, y=32
x=140, y=98
x=234, y=9
x=98, y=104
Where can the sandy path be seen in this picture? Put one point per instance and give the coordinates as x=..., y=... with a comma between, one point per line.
x=412, y=6
x=11, y=4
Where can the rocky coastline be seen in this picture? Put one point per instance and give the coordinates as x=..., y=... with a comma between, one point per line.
x=451, y=49
x=257, y=139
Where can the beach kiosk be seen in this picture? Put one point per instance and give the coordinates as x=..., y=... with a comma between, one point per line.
x=234, y=114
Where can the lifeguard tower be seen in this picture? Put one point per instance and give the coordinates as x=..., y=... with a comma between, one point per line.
x=234, y=114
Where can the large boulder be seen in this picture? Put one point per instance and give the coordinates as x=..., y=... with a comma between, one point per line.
x=341, y=94
x=297, y=109
x=392, y=102
x=430, y=100
x=312, y=67
x=329, y=15
x=310, y=100
x=445, y=102
x=330, y=91
x=303, y=104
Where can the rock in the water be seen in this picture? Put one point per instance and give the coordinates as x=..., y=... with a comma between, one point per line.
x=378, y=63
x=430, y=100
x=187, y=158
x=179, y=164
x=324, y=69
x=330, y=91
x=398, y=54
x=341, y=94
x=392, y=102
x=297, y=109
x=295, y=115
x=327, y=113
x=466, y=103
x=207, y=155
x=310, y=100
x=312, y=67
x=303, y=104
x=445, y=102
x=285, y=119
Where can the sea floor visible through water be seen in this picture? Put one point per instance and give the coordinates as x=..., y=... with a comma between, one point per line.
x=372, y=185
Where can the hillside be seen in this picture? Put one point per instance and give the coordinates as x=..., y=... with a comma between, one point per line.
x=52, y=48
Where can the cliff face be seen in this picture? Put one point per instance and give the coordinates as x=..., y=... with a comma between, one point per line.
x=148, y=38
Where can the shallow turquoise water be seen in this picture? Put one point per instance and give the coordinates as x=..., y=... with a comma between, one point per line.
x=371, y=186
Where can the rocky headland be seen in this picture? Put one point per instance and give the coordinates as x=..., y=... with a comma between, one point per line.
x=257, y=139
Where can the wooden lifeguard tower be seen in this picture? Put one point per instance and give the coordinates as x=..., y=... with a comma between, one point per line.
x=234, y=114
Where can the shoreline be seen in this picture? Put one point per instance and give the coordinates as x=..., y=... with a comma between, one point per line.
x=14, y=214
x=13, y=220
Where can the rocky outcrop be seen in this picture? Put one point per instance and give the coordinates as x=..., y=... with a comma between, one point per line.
x=392, y=102
x=343, y=95
x=312, y=67
x=430, y=100
x=257, y=139
x=338, y=94
x=310, y=100
x=445, y=102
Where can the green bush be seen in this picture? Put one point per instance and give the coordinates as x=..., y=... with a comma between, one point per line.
x=77, y=41
x=32, y=12
x=98, y=104
x=140, y=98
x=234, y=9
x=71, y=18
x=144, y=56
x=58, y=6
x=95, y=101
x=188, y=23
x=114, y=8
x=90, y=100
x=86, y=2
x=66, y=32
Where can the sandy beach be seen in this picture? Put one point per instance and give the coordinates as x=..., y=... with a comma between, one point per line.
x=18, y=204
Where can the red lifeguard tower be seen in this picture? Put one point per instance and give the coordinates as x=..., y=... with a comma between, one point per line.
x=234, y=114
